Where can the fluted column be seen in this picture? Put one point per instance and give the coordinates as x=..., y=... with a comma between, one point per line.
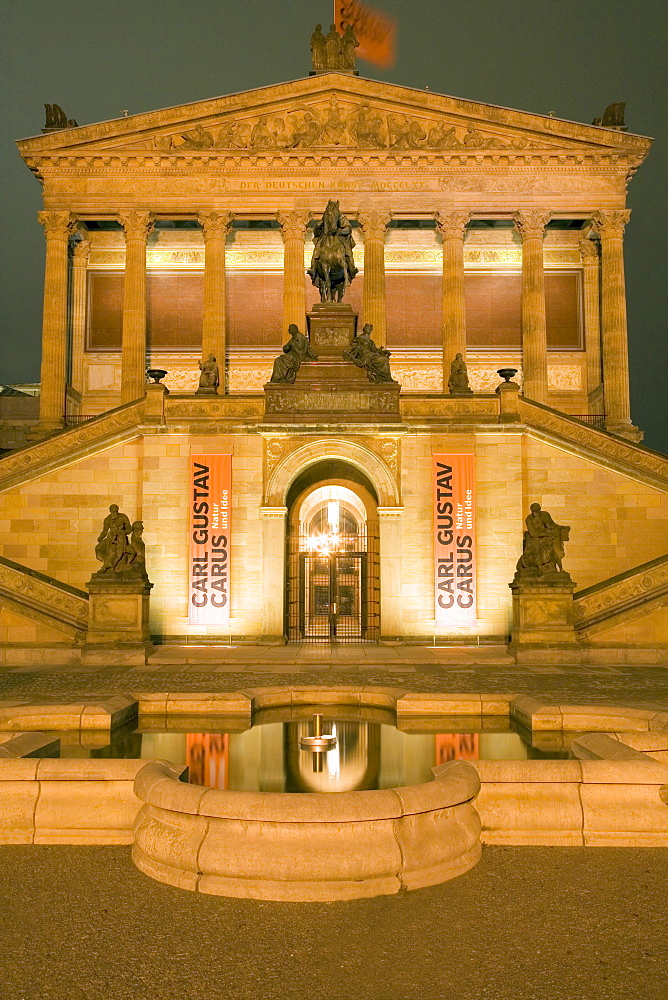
x=374, y=307
x=293, y=229
x=80, y=255
x=215, y=226
x=531, y=227
x=452, y=226
x=592, y=319
x=610, y=228
x=137, y=226
x=57, y=229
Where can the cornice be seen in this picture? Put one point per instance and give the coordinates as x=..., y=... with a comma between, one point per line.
x=322, y=86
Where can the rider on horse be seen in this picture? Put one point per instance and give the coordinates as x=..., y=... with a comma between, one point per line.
x=332, y=265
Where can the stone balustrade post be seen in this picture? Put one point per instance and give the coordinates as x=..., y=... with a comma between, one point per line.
x=215, y=226
x=452, y=227
x=610, y=227
x=531, y=227
x=592, y=319
x=293, y=229
x=273, y=570
x=374, y=307
x=57, y=229
x=80, y=255
x=137, y=226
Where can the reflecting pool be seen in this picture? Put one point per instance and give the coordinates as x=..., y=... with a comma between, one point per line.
x=371, y=752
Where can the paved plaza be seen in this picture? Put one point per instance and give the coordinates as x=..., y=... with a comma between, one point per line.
x=468, y=669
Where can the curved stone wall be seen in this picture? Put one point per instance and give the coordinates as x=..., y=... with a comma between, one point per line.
x=286, y=846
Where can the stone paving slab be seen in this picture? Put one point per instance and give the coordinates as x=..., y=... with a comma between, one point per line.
x=81, y=923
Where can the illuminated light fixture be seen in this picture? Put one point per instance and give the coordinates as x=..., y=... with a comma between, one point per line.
x=323, y=544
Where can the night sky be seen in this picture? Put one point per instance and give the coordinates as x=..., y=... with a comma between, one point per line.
x=572, y=57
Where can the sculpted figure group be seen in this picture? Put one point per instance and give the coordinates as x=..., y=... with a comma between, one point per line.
x=125, y=558
x=314, y=125
x=333, y=51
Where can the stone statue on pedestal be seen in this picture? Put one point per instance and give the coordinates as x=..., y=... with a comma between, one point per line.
x=543, y=546
x=120, y=558
x=332, y=265
x=209, y=380
x=364, y=353
x=318, y=50
x=458, y=383
x=289, y=362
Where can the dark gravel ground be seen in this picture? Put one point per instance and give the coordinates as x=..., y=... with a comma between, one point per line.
x=526, y=923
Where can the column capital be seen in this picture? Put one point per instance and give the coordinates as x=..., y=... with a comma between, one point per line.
x=215, y=225
x=81, y=253
x=57, y=225
x=610, y=224
x=293, y=224
x=374, y=223
x=531, y=225
x=273, y=512
x=137, y=225
x=589, y=253
x=452, y=225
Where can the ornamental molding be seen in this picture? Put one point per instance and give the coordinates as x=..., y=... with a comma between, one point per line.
x=598, y=446
x=55, y=606
x=625, y=597
x=33, y=461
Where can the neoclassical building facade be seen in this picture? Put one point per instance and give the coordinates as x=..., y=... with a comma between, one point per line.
x=479, y=230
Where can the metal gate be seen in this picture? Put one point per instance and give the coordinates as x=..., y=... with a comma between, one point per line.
x=333, y=595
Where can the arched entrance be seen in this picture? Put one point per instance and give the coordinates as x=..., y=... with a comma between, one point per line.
x=332, y=579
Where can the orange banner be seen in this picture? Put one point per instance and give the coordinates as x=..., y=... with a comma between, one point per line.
x=454, y=539
x=210, y=508
x=375, y=30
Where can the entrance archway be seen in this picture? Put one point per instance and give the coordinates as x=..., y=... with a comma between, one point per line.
x=332, y=579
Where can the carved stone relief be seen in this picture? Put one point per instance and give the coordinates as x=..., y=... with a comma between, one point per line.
x=328, y=122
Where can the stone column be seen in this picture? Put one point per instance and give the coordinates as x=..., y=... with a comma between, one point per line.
x=592, y=319
x=293, y=229
x=531, y=227
x=137, y=226
x=215, y=226
x=80, y=255
x=374, y=228
x=273, y=570
x=610, y=227
x=57, y=229
x=391, y=577
x=452, y=226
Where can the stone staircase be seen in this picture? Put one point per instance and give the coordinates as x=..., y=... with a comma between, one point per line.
x=43, y=599
x=622, y=598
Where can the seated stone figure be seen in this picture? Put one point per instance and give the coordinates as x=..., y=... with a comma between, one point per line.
x=364, y=353
x=209, y=380
x=458, y=383
x=289, y=362
x=543, y=544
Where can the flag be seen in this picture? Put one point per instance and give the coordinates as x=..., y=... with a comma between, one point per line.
x=374, y=29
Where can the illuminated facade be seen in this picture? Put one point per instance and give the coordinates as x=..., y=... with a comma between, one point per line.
x=185, y=232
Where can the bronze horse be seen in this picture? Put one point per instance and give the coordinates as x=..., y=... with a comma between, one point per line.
x=330, y=268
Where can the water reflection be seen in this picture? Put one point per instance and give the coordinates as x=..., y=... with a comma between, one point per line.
x=267, y=757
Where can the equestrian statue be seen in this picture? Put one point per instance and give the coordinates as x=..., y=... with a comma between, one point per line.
x=332, y=265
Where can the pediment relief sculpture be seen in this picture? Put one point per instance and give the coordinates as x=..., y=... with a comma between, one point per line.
x=332, y=123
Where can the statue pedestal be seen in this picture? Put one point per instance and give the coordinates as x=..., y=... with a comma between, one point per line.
x=331, y=388
x=118, y=630
x=543, y=628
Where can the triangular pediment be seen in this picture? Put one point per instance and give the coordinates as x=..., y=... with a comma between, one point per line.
x=333, y=112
